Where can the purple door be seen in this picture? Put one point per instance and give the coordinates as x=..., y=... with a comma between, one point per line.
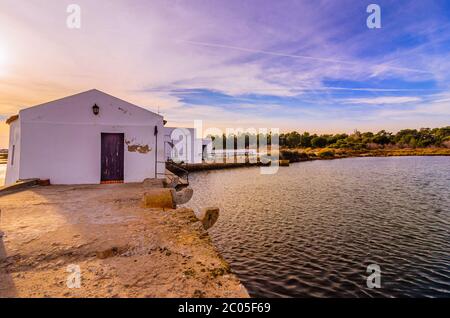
x=112, y=155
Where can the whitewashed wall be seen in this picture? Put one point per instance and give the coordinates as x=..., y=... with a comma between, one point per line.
x=61, y=140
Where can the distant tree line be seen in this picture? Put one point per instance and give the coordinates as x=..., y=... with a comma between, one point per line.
x=413, y=138
x=424, y=137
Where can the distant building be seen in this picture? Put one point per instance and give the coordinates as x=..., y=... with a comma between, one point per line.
x=87, y=138
x=182, y=145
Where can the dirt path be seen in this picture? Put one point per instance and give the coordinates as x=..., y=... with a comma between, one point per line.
x=122, y=249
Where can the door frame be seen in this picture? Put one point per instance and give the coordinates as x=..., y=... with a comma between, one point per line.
x=122, y=147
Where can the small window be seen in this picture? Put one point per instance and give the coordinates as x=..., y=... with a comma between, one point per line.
x=12, y=155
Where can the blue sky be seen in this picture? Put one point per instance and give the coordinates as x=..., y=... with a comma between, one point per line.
x=318, y=61
x=303, y=65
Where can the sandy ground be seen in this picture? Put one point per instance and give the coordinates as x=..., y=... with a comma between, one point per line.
x=122, y=249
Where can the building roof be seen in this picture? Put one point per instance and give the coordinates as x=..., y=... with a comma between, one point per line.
x=55, y=102
x=94, y=90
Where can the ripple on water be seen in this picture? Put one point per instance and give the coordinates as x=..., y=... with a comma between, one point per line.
x=312, y=229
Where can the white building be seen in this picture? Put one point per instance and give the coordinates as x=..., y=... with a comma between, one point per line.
x=182, y=145
x=87, y=138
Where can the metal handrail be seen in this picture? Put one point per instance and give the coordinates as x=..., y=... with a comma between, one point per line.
x=184, y=172
x=170, y=164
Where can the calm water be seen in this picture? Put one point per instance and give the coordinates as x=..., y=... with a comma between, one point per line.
x=312, y=229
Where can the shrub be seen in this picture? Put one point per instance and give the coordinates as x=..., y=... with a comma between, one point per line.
x=319, y=142
x=293, y=156
x=326, y=153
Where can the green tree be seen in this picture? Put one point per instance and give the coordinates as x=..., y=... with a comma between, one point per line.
x=305, y=140
x=382, y=137
x=293, y=139
x=319, y=142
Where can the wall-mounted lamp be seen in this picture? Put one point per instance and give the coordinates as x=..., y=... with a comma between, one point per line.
x=95, y=109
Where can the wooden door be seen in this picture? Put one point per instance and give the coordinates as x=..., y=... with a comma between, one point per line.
x=112, y=157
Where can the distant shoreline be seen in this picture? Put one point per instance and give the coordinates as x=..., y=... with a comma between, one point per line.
x=311, y=154
x=306, y=154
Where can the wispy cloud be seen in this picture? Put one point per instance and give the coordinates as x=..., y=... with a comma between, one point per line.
x=377, y=68
x=389, y=100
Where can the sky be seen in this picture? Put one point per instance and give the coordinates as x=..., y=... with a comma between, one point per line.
x=294, y=65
